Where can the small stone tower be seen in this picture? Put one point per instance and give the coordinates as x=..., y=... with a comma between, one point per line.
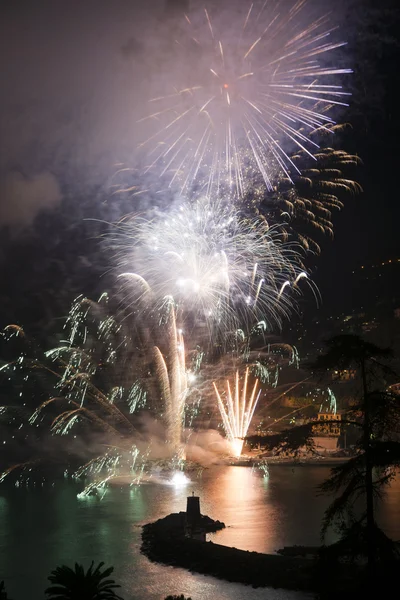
x=193, y=512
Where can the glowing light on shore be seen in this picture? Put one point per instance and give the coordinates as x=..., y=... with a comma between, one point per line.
x=179, y=479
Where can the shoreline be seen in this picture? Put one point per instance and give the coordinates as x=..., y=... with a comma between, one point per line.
x=310, y=462
x=285, y=462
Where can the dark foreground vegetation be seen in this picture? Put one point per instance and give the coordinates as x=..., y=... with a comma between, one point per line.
x=78, y=584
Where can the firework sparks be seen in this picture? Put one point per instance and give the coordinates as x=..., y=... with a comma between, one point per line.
x=83, y=374
x=222, y=268
x=237, y=411
x=174, y=383
x=303, y=208
x=248, y=100
x=259, y=87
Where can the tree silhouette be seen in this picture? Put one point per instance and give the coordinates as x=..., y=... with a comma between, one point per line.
x=75, y=584
x=377, y=416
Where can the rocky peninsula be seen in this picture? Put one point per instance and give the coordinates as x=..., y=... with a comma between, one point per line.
x=179, y=540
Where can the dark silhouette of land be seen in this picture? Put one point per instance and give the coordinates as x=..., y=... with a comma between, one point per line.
x=308, y=569
x=165, y=541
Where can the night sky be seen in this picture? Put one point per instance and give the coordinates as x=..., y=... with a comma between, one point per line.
x=76, y=75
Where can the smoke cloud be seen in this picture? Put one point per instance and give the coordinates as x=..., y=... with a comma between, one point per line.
x=21, y=198
x=205, y=447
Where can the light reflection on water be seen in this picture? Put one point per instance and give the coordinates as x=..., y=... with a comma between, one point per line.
x=45, y=527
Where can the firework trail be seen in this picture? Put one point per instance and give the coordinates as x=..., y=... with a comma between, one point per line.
x=244, y=89
x=93, y=399
x=224, y=269
x=174, y=383
x=237, y=411
x=97, y=388
x=264, y=361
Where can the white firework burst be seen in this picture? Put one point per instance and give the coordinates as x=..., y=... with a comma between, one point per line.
x=218, y=266
x=244, y=89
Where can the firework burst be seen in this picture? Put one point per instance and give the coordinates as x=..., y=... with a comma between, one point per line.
x=220, y=267
x=237, y=411
x=303, y=208
x=245, y=88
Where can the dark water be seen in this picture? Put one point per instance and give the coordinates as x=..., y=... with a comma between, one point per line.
x=44, y=527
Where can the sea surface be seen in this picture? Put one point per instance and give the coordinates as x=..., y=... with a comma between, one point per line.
x=43, y=527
